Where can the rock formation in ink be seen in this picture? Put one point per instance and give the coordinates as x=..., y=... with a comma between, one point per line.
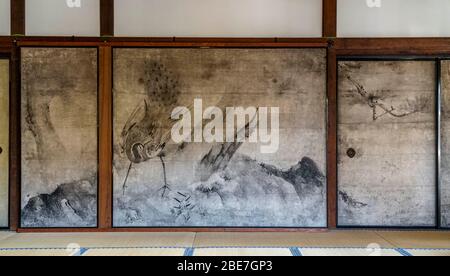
x=59, y=137
x=72, y=205
x=159, y=183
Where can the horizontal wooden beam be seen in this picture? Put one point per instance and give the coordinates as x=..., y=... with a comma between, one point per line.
x=168, y=44
x=218, y=40
x=398, y=45
x=405, y=45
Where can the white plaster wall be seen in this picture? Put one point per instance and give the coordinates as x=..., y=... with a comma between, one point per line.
x=231, y=18
x=4, y=17
x=393, y=18
x=55, y=17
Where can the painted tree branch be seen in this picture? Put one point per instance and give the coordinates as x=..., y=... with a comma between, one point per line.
x=375, y=102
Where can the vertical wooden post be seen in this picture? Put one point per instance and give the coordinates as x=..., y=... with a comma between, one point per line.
x=106, y=17
x=332, y=137
x=329, y=18
x=17, y=17
x=105, y=138
x=15, y=144
x=329, y=30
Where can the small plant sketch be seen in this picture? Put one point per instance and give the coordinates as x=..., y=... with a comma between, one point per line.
x=183, y=206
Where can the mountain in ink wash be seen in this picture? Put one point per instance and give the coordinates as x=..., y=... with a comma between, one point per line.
x=305, y=176
x=70, y=205
x=233, y=197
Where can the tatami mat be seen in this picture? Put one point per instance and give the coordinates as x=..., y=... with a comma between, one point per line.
x=349, y=252
x=135, y=252
x=5, y=235
x=39, y=252
x=315, y=239
x=409, y=239
x=89, y=240
x=330, y=243
x=238, y=251
x=242, y=252
x=429, y=252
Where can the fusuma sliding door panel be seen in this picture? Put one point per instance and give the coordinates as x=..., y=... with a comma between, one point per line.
x=387, y=143
x=445, y=144
x=4, y=143
x=219, y=138
x=59, y=137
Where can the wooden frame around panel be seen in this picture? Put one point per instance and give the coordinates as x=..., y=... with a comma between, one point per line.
x=18, y=134
x=105, y=113
x=336, y=48
x=432, y=48
x=5, y=54
x=8, y=50
x=437, y=129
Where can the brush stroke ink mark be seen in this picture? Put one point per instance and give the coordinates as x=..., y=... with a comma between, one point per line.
x=375, y=102
x=351, y=201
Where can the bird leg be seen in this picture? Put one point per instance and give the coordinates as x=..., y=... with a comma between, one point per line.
x=124, y=187
x=166, y=186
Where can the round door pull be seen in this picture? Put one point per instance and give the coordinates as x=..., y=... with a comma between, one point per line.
x=1, y=150
x=351, y=152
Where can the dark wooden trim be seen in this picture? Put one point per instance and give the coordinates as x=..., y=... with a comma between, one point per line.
x=17, y=17
x=219, y=45
x=344, y=46
x=392, y=46
x=6, y=50
x=185, y=230
x=199, y=44
x=6, y=43
x=332, y=138
x=180, y=40
x=14, y=144
x=105, y=138
x=105, y=112
x=106, y=17
x=329, y=18
x=336, y=47
x=61, y=43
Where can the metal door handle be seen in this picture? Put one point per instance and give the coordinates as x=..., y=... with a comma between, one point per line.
x=351, y=152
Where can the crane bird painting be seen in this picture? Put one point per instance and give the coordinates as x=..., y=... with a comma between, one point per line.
x=144, y=135
x=160, y=182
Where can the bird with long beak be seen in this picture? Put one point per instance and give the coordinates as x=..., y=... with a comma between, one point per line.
x=147, y=131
